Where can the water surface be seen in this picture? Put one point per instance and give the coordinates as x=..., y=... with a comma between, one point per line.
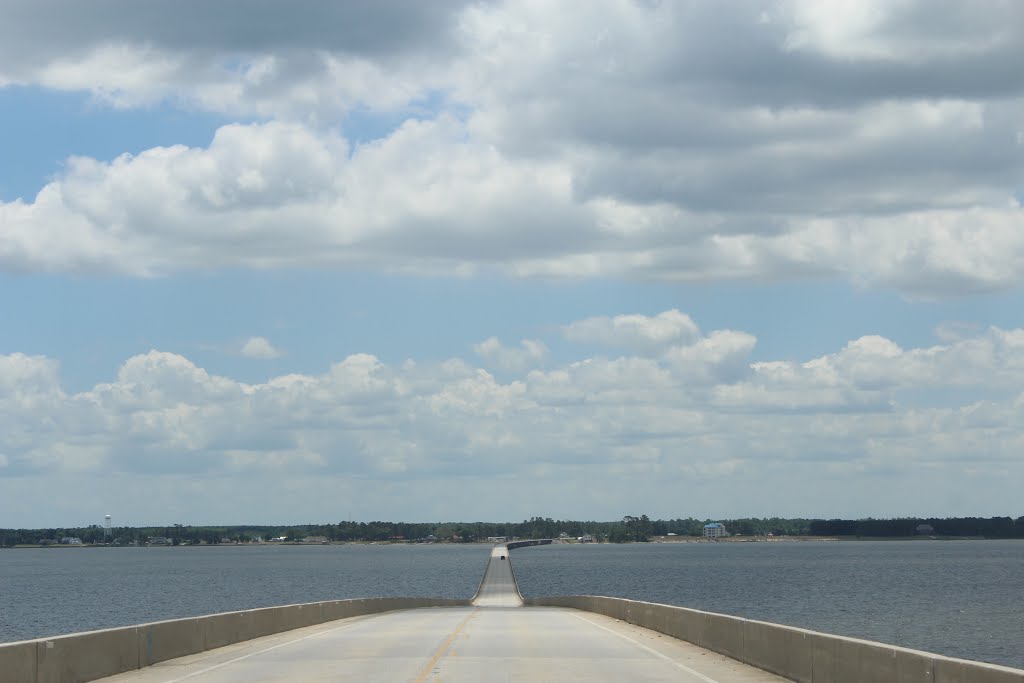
x=62, y=590
x=963, y=598
x=959, y=598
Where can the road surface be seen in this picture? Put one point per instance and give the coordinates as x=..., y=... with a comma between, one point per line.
x=498, y=588
x=496, y=640
x=458, y=644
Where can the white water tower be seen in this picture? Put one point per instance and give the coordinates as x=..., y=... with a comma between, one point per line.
x=108, y=533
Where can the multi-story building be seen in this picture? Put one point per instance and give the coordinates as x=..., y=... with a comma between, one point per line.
x=714, y=530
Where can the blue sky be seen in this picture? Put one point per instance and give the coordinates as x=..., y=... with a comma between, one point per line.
x=42, y=128
x=318, y=317
x=412, y=269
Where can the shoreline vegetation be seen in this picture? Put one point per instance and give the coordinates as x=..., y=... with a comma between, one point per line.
x=653, y=540
x=630, y=529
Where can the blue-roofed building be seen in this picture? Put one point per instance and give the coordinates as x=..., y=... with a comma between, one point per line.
x=714, y=530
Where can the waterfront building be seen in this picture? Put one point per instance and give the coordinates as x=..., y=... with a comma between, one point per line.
x=715, y=530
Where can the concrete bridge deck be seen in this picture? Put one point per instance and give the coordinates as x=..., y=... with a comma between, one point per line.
x=478, y=644
x=494, y=640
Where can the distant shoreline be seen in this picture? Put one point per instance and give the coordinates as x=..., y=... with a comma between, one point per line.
x=830, y=539
x=653, y=540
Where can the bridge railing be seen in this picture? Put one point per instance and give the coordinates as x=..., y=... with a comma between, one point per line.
x=793, y=653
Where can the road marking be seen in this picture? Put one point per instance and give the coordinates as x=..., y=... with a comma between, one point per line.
x=272, y=647
x=429, y=668
x=650, y=649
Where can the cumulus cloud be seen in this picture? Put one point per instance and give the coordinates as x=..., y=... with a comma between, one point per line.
x=875, y=142
x=597, y=433
x=278, y=194
x=259, y=348
x=528, y=354
x=639, y=333
x=869, y=405
x=873, y=373
x=237, y=58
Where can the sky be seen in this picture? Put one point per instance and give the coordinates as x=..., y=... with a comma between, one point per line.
x=301, y=262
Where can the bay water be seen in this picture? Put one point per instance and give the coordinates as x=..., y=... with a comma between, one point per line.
x=962, y=598
x=958, y=598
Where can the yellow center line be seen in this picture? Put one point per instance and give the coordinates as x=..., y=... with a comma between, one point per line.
x=442, y=649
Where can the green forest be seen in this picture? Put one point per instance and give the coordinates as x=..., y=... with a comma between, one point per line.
x=629, y=529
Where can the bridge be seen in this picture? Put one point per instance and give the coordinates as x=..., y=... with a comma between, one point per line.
x=496, y=636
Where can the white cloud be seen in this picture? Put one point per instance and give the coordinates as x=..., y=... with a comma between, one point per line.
x=895, y=32
x=528, y=354
x=869, y=406
x=276, y=195
x=722, y=356
x=873, y=373
x=699, y=411
x=873, y=142
x=259, y=348
x=24, y=375
x=639, y=333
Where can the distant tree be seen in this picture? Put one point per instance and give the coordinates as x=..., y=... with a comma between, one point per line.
x=636, y=528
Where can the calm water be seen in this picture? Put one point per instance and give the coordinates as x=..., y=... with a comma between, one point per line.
x=962, y=598
x=51, y=591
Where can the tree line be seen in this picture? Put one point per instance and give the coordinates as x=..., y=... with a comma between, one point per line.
x=630, y=528
x=990, y=527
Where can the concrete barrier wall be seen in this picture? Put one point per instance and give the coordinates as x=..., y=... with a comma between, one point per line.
x=796, y=654
x=80, y=657
x=18, y=661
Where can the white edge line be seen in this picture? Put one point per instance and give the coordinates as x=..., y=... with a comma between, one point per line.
x=272, y=647
x=649, y=649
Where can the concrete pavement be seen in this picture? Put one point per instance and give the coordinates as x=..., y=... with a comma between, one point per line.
x=461, y=644
x=495, y=640
x=498, y=588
